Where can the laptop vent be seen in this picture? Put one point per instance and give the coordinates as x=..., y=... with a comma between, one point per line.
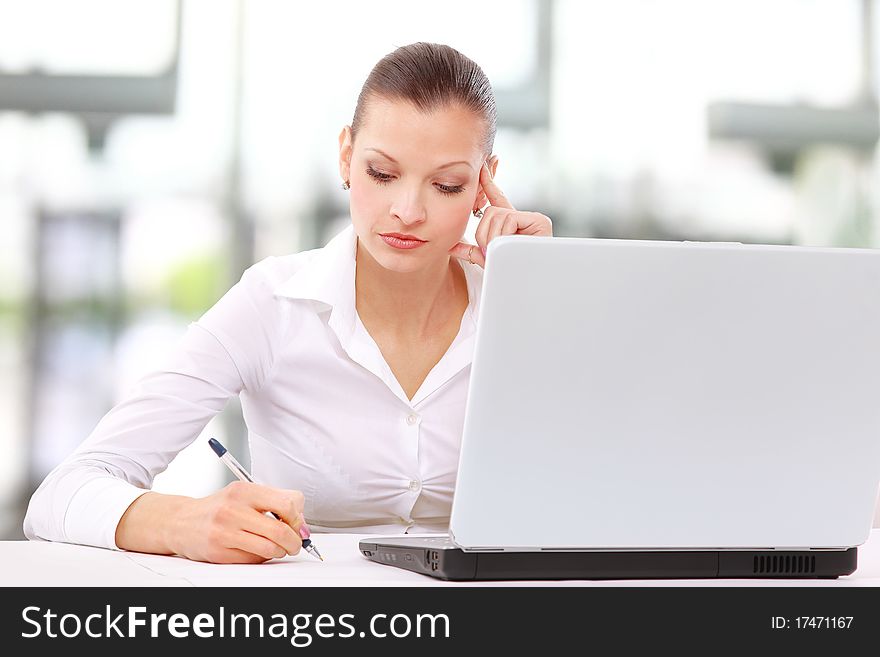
x=785, y=564
x=433, y=559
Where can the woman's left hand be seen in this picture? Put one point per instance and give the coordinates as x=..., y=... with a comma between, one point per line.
x=499, y=218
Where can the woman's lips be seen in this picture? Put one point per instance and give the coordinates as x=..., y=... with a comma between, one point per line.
x=399, y=243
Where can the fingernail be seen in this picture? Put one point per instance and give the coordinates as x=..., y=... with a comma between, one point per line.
x=304, y=531
x=483, y=251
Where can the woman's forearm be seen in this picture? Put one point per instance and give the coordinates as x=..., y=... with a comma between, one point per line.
x=228, y=526
x=149, y=524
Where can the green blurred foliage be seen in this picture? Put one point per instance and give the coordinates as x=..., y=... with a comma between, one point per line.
x=196, y=285
x=188, y=291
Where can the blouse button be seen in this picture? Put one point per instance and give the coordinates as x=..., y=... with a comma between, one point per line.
x=414, y=485
x=411, y=419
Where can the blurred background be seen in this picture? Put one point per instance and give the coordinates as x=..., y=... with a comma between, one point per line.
x=151, y=150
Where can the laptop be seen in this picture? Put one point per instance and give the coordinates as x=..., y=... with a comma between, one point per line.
x=650, y=409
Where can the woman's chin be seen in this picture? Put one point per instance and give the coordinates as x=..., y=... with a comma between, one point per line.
x=402, y=265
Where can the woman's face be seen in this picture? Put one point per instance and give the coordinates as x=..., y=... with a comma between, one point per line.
x=412, y=174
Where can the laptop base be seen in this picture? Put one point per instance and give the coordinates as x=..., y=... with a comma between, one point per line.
x=440, y=558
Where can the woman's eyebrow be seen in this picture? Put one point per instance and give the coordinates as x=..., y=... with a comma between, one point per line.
x=443, y=166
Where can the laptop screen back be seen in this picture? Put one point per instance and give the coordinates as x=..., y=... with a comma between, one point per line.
x=635, y=394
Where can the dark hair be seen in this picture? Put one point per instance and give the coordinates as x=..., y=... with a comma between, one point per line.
x=430, y=76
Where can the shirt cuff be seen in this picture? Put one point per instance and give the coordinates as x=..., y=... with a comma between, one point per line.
x=95, y=509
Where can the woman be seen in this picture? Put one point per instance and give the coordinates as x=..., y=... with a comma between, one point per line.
x=351, y=361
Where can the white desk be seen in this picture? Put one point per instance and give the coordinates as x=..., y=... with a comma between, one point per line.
x=24, y=563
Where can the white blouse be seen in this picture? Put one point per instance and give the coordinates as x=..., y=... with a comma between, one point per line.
x=324, y=412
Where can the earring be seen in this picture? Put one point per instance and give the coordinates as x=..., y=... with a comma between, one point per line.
x=346, y=185
x=478, y=214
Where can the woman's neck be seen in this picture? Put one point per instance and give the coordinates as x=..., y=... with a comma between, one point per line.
x=412, y=305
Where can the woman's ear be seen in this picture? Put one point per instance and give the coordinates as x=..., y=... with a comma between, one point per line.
x=345, y=150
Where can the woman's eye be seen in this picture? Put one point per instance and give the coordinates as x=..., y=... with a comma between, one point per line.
x=384, y=178
x=450, y=189
x=378, y=176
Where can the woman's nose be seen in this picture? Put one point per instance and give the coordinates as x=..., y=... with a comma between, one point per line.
x=409, y=207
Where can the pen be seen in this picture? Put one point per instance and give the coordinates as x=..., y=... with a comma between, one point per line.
x=243, y=474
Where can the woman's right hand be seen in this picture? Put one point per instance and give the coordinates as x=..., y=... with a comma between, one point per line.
x=229, y=526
